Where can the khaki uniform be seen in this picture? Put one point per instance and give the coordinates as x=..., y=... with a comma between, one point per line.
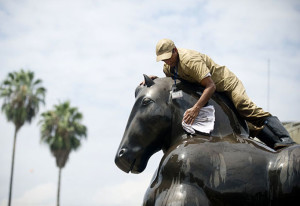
x=194, y=66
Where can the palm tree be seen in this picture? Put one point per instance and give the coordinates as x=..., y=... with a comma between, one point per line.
x=22, y=96
x=61, y=128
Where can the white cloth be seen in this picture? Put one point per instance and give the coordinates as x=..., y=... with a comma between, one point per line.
x=204, y=122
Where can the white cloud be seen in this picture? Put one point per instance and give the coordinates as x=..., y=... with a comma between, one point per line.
x=94, y=54
x=128, y=192
x=42, y=195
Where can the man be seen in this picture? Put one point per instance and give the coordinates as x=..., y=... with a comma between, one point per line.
x=199, y=68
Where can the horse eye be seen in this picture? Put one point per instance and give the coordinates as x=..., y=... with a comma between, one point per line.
x=146, y=101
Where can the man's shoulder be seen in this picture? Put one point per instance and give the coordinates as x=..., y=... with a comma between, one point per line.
x=188, y=56
x=189, y=53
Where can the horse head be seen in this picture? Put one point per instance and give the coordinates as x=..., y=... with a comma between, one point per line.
x=155, y=121
x=147, y=126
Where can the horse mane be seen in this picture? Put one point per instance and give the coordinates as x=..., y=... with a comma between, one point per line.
x=220, y=98
x=217, y=96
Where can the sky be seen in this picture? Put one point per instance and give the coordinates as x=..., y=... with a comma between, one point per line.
x=94, y=53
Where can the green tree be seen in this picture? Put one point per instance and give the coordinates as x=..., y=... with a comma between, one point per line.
x=22, y=96
x=62, y=130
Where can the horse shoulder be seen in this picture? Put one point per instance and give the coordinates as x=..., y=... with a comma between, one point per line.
x=215, y=167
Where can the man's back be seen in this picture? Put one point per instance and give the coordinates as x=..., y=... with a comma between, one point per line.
x=194, y=66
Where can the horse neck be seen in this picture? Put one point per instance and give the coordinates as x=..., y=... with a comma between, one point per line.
x=177, y=133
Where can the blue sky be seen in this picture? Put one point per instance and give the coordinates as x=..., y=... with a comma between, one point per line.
x=94, y=53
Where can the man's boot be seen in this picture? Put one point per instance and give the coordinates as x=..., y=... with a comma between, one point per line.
x=274, y=134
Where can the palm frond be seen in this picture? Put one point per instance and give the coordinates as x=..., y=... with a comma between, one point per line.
x=19, y=91
x=62, y=130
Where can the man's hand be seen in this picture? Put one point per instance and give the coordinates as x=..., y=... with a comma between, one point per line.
x=191, y=114
x=151, y=77
x=210, y=87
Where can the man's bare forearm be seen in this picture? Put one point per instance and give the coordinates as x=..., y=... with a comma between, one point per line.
x=206, y=95
x=192, y=113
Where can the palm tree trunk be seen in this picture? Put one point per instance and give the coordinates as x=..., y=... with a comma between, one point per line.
x=12, y=167
x=58, y=188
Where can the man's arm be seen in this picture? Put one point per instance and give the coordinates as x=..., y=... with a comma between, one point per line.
x=210, y=87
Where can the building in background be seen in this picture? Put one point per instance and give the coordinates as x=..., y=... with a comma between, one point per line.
x=294, y=129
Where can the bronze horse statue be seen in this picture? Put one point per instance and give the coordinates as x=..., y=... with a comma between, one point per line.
x=222, y=168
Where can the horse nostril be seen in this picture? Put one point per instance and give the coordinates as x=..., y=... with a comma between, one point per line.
x=121, y=152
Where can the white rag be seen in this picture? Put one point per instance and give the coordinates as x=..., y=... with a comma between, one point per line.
x=204, y=122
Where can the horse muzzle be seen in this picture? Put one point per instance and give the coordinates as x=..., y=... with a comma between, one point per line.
x=128, y=162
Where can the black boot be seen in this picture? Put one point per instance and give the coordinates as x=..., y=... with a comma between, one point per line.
x=274, y=134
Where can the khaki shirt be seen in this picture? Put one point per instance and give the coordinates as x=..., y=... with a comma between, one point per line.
x=194, y=66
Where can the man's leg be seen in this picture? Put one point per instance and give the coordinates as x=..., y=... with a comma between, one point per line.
x=254, y=130
x=273, y=133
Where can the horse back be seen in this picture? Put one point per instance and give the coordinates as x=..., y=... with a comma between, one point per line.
x=229, y=173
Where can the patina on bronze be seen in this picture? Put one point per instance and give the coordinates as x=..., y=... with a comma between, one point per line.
x=223, y=168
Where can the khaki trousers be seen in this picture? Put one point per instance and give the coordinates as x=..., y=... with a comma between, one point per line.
x=246, y=108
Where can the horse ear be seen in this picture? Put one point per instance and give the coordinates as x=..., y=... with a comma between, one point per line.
x=148, y=81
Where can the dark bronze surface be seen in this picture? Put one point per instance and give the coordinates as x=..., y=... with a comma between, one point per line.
x=224, y=168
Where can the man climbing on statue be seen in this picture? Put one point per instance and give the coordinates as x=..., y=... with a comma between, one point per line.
x=199, y=68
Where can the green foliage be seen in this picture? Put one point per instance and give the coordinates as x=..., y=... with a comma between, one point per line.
x=62, y=130
x=22, y=96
